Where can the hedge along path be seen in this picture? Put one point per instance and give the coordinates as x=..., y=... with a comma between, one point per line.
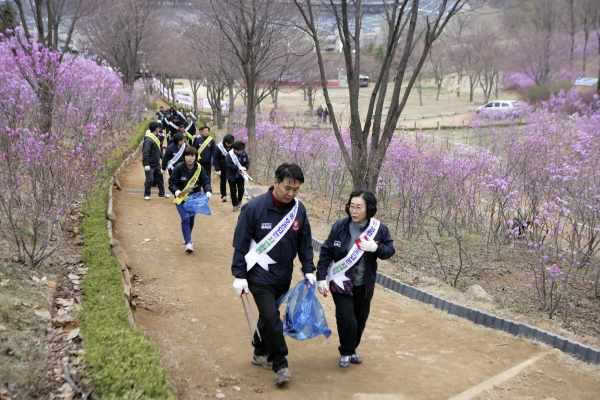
x=187, y=307
x=121, y=363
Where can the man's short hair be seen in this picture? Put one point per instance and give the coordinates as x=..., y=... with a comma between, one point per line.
x=229, y=139
x=205, y=127
x=160, y=107
x=190, y=150
x=288, y=170
x=154, y=126
x=181, y=125
x=239, y=145
x=178, y=137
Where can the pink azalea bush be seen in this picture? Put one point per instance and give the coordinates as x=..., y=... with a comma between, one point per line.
x=42, y=173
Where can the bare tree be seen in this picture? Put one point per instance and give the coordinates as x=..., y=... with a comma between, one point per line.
x=438, y=62
x=262, y=43
x=402, y=19
x=118, y=31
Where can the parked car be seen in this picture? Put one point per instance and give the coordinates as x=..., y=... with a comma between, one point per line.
x=504, y=106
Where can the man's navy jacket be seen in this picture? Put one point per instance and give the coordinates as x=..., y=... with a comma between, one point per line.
x=256, y=220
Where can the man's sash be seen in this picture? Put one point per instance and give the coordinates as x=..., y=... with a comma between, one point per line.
x=337, y=270
x=187, y=128
x=222, y=148
x=175, y=158
x=181, y=115
x=258, y=251
x=203, y=146
x=170, y=123
x=239, y=166
x=154, y=138
x=189, y=187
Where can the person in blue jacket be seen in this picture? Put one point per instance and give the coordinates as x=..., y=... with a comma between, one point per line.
x=220, y=163
x=185, y=180
x=234, y=173
x=352, y=287
x=276, y=222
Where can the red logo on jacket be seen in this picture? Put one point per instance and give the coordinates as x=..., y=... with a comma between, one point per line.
x=296, y=225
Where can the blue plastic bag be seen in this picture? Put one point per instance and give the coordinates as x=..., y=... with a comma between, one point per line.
x=304, y=316
x=197, y=203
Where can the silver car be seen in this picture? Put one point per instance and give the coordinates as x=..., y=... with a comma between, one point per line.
x=504, y=106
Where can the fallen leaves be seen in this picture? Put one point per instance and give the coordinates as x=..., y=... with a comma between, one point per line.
x=4, y=282
x=42, y=313
x=46, y=282
x=2, y=328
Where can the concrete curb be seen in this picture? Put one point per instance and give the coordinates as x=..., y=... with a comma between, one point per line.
x=580, y=351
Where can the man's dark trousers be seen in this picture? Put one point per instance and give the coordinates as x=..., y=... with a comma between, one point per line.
x=206, y=166
x=269, y=324
x=155, y=173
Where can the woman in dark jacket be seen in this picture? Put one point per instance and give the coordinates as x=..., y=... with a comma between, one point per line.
x=184, y=180
x=234, y=172
x=348, y=263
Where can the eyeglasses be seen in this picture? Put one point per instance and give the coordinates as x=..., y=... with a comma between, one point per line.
x=352, y=207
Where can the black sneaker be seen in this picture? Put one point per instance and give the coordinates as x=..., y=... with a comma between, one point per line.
x=344, y=361
x=262, y=361
x=355, y=359
x=283, y=376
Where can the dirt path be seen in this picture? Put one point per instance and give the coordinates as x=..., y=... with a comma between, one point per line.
x=186, y=306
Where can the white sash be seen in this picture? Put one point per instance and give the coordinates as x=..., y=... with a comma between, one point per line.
x=337, y=270
x=258, y=251
x=181, y=115
x=222, y=148
x=176, y=157
x=237, y=164
x=171, y=123
x=189, y=126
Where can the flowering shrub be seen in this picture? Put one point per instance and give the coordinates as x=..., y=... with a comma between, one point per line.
x=43, y=172
x=535, y=185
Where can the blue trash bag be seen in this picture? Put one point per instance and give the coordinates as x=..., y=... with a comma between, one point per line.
x=304, y=316
x=197, y=203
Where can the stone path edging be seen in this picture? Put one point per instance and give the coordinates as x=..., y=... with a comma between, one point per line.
x=580, y=351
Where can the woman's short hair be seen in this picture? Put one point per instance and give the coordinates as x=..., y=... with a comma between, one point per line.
x=229, y=139
x=289, y=170
x=190, y=150
x=239, y=145
x=368, y=197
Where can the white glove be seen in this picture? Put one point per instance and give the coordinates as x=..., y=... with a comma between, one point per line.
x=310, y=278
x=240, y=286
x=209, y=195
x=147, y=168
x=177, y=193
x=322, y=288
x=218, y=173
x=161, y=171
x=367, y=245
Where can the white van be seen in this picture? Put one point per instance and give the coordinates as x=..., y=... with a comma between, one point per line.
x=504, y=106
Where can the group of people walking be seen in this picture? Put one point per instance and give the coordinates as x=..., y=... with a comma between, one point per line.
x=168, y=148
x=271, y=231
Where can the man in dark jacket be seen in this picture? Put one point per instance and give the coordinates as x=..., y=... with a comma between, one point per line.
x=220, y=163
x=151, y=155
x=206, y=146
x=271, y=230
x=170, y=126
x=174, y=153
x=237, y=162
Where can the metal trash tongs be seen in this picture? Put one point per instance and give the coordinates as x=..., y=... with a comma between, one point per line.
x=248, y=319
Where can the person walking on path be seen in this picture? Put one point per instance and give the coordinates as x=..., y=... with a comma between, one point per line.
x=174, y=153
x=206, y=146
x=320, y=113
x=220, y=163
x=151, y=156
x=188, y=177
x=348, y=262
x=270, y=231
x=237, y=162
